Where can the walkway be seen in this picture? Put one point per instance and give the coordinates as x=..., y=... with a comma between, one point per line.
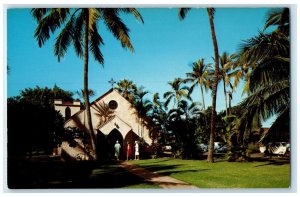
x=163, y=181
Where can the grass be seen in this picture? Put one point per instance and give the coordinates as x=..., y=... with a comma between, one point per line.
x=58, y=175
x=223, y=174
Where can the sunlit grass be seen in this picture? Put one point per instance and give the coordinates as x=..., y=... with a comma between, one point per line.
x=222, y=174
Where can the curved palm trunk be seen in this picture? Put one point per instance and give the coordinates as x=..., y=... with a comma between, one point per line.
x=227, y=110
x=201, y=88
x=85, y=82
x=215, y=85
x=229, y=102
x=204, y=109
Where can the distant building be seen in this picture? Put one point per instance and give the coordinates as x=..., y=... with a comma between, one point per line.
x=113, y=117
x=67, y=109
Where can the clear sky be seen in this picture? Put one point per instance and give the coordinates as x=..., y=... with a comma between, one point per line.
x=164, y=48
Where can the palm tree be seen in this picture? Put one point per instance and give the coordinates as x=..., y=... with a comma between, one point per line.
x=225, y=75
x=142, y=106
x=78, y=26
x=103, y=112
x=210, y=11
x=200, y=75
x=126, y=88
x=267, y=56
x=176, y=93
x=182, y=120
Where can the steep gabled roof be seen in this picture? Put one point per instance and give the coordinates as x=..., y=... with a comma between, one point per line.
x=95, y=101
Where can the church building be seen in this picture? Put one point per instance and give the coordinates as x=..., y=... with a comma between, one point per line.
x=113, y=117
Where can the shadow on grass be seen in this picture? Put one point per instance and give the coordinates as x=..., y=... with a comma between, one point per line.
x=273, y=162
x=167, y=170
x=57, y=174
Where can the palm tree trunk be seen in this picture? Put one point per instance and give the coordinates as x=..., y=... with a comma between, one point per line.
x=201, y=88
x=85, y=82
x=204, y=109
x=215, y=85
x=229, y=102
x=225, y=97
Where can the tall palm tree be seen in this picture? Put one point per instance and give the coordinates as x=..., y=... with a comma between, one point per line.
x=267, y=55
x=210, y=11
x=177, y=92
x=143, y=106
x=126, y=88
x=79, y=27
x=225, y=75
x=200, y=75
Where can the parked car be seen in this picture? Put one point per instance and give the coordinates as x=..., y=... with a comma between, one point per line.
x=202, y=147
x=220, y=147
x=275, y=148
x=167, y=148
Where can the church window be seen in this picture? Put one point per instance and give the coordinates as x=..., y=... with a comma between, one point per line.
x=67, y=113
x=113, y=104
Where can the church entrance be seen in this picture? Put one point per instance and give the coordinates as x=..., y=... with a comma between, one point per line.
x=106, y=144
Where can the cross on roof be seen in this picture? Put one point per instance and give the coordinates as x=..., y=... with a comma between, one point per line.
x=112, y=82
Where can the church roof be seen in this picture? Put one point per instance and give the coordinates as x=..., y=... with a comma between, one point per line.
x=94, y=102
x=115, y=122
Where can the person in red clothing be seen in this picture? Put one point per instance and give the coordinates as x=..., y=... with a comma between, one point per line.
x=128, y=151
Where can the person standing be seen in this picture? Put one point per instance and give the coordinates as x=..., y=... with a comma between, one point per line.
x=128, y=151
x=117, y=150
x=136, y=153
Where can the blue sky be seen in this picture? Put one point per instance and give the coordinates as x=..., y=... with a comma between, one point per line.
x=164, y=48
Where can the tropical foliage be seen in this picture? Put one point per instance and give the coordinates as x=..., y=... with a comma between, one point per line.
x=262, y=64
x=200, y=75
x=177, y=93
x=45, y=96
x=127, y=89
x=34, y=126
x=267, y=56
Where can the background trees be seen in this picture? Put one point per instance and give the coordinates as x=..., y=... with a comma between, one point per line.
x=33, y=124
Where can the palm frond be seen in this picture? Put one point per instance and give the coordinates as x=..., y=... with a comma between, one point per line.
x=39, y=13
x=133, y=11
x=95, y=42
x=78, y=35
x=168, y=100
x=64, y=39
x=117, y=27
x=182, y=12
x=269, y=71
x=278, y=17
x=269, y=100
x=93, y=17
x=48, y=23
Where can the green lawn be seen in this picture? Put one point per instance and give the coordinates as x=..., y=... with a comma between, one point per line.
x=222, y=174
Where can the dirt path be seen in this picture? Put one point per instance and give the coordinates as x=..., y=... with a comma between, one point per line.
x=162, y=181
